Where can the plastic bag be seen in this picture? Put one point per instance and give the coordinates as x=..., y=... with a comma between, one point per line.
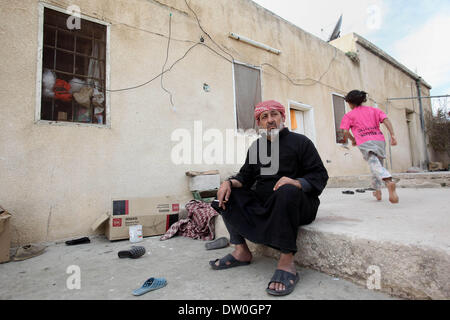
x=48, y=82
x=76, y=85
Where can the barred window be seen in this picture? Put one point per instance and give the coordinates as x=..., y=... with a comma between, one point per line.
x=73, y=70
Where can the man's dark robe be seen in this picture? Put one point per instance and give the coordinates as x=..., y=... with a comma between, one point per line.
x=269, y=217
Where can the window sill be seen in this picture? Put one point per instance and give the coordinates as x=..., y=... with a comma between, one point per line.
x=72, y=124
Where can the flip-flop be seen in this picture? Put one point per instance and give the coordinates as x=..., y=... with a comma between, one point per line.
x=217, y=244
x=360, y=190
x=223, y=263
x=348, y=192
x=133, y=253
x=284, y=277
x=150, y=285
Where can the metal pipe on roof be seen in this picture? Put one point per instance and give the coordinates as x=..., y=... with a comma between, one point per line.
x=413, y=98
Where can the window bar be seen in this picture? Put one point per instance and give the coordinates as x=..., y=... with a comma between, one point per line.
x=54, y=67
x=91, y=109
x=77, y=53
x=74, y=61
x=79, y=36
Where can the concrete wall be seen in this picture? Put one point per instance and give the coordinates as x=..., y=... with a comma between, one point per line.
x=56, y=179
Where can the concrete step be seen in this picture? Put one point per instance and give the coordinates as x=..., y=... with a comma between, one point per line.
x=405, y=246
x=405, y=180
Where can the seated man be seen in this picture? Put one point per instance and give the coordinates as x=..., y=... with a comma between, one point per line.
x=282, y=200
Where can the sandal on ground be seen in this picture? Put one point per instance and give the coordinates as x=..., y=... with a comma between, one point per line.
x=28, y=251
x=133, y=253
x=78, y=241
x=150, y=285
x=284, y=277
x=361, y=190
x=224, y=265
x=217, y=244
x=348, y=192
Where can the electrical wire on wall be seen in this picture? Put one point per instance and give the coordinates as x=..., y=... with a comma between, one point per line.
x=165, y=62
x=231, y=59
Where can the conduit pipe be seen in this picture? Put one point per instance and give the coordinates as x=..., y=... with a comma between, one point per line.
x=253, y=43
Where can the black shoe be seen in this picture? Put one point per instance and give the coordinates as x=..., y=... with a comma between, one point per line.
x=78, y=241
x=133, y=253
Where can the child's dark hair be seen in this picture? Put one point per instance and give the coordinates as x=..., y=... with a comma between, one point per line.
x=356, y=97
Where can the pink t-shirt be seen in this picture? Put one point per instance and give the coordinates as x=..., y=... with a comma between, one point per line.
x=365, y=123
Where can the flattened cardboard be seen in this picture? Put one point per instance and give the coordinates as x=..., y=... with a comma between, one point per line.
x=104, y=217
x=5, y=236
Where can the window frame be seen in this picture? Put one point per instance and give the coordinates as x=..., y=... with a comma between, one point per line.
x=346, y=110
x=38, y=120
x=259, y=68
x=308, y=113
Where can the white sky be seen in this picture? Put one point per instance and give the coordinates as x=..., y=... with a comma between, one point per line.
x=416, y=33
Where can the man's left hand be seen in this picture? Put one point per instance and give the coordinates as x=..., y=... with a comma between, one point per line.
x=286, y=180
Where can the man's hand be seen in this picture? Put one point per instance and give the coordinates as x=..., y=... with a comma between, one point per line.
x=393, y=141
x=286, y=180
x=224, y=193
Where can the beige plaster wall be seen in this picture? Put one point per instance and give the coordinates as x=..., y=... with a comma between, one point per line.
x=57, y=179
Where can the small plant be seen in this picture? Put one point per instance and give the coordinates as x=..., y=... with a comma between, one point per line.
x=353, y=56
x=438, y=131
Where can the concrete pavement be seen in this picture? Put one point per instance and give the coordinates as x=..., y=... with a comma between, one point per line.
x=182, y=261
x=401, y=249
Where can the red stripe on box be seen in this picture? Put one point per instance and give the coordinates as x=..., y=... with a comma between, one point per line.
x=126, y=206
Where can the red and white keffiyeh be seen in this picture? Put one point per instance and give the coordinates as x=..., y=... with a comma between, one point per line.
x=267, y=106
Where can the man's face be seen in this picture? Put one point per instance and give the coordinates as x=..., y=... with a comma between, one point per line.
x=270, y=120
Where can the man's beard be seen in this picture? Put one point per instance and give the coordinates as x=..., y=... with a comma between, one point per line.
x=273, y=132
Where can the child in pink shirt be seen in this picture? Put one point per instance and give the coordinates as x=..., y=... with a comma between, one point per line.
x=364, y=122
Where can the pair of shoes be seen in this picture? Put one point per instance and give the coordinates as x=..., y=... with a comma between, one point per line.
x=223, y=263
x=133, y=253
x=284, y=277
x=150, y=285
x=348, y=192
x=217, y=244
x=28, y=251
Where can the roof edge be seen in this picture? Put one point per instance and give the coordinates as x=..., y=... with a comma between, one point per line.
x=386, y=57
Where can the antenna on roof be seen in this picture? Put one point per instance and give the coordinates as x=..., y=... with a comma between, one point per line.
x=337, y=30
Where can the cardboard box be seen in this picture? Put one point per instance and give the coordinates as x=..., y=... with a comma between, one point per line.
x=5, y=235
x=156, y=215
x=152, y=225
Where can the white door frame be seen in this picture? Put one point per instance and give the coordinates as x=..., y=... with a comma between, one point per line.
x=310, y=127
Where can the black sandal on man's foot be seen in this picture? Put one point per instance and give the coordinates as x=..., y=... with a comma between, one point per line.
x=284, y=277
x=223, y=263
